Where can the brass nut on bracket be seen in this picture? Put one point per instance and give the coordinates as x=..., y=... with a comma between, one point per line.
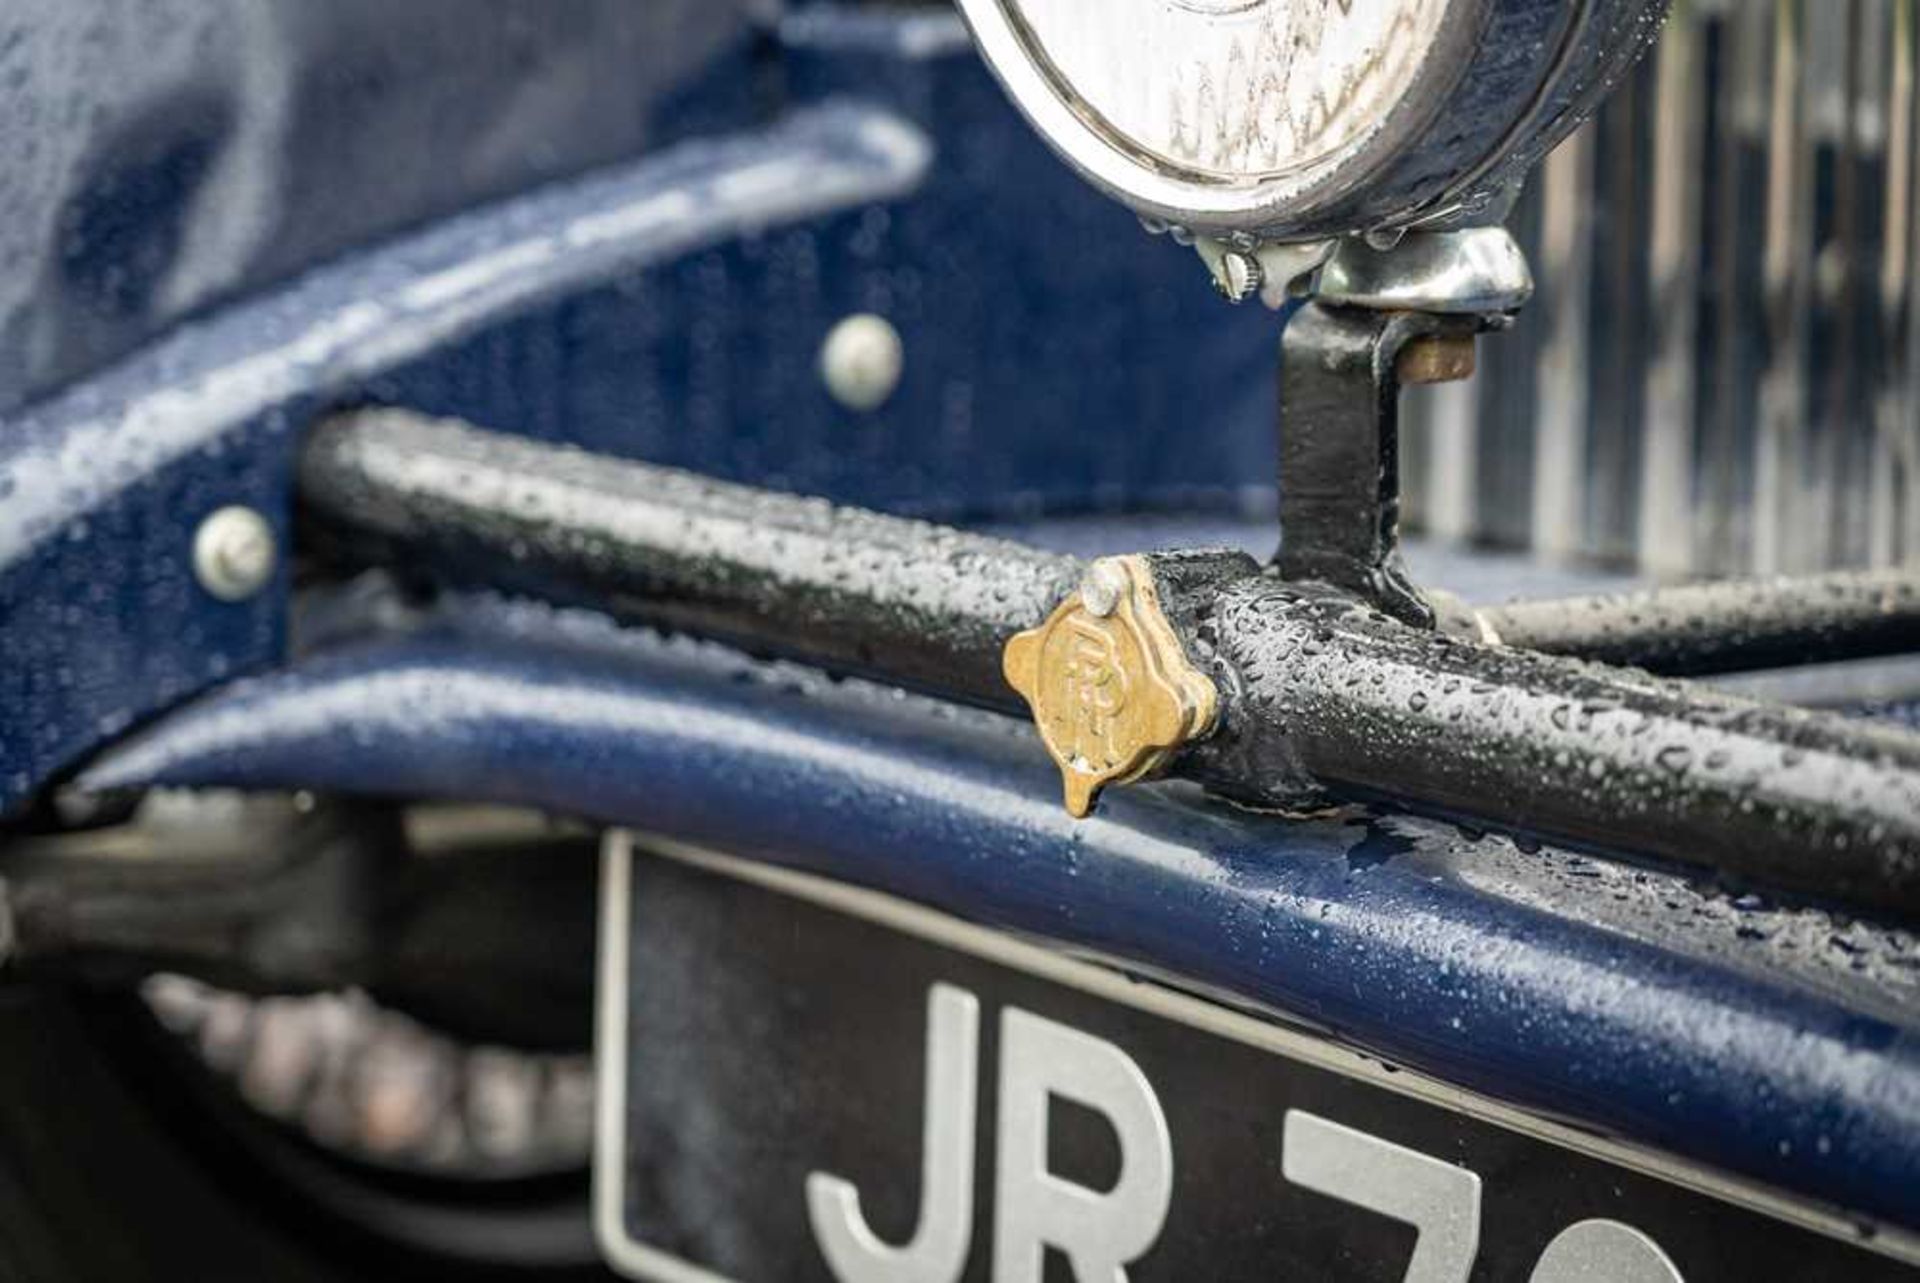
x=1437, y=358
x=1112, y=691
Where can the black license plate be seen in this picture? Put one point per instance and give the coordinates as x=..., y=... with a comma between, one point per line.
x=801, y=1080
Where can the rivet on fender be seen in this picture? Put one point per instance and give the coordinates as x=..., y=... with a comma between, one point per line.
x=1112, y=692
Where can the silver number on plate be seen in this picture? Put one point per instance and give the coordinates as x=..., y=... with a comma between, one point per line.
x=1099, y=1232
x=1441, y=1201
x=937, y=1252
x=1603, y=1252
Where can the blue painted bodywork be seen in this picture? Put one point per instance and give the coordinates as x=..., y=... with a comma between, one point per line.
x=702, y=222
x=1779, y=1043
x=100, y=618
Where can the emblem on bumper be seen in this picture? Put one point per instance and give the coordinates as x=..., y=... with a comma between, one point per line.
x=1112, y=691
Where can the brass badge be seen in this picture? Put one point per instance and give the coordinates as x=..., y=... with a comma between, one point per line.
x=1111, y=690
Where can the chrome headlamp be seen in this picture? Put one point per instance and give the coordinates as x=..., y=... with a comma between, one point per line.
x=1302, y=119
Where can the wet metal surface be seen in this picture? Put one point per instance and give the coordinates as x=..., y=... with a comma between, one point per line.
x=1319, y=692
x=1339, y=451
x=927, y=605
x=1335, y=693
x=1774, y=1041
x=1720, y=627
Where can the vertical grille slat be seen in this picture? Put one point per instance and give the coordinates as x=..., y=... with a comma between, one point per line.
x=1671, y=404
x=1890, y=536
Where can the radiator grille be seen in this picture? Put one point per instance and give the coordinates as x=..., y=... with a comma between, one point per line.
x=1719, y=372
